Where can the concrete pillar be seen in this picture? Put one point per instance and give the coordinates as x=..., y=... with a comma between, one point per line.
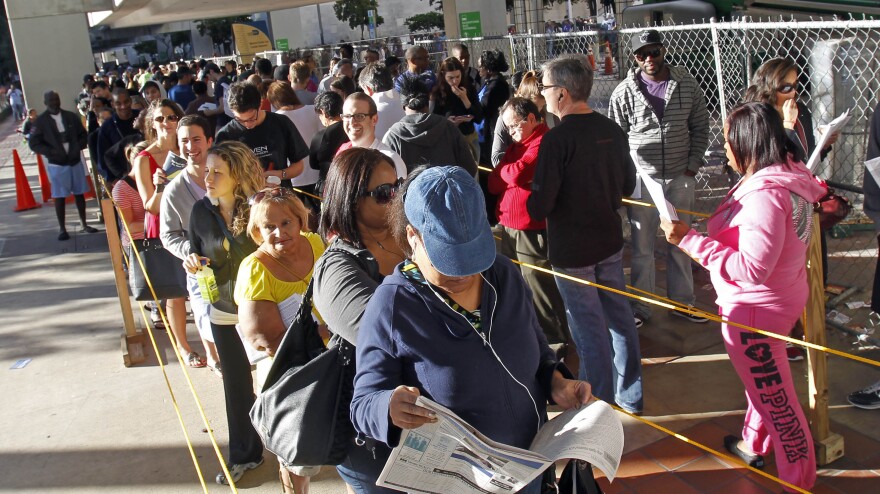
x=287, y=24
x=52, y=47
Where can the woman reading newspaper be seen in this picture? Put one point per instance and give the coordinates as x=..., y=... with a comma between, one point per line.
x=454, y=322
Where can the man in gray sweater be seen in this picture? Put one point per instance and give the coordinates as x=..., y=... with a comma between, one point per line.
x=178, y=198
x=663, y=110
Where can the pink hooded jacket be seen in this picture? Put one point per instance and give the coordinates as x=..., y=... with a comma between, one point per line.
x=757, y=243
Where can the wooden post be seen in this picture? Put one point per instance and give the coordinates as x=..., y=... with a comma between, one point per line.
x=132, y=341
x=829, y=446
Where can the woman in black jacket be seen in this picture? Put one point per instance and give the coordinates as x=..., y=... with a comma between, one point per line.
x=457, y=101
x=494, y=93
x=218, y=235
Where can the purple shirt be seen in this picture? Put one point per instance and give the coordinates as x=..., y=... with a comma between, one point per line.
x=655, y=93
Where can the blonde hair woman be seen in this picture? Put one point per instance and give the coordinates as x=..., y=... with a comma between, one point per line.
x=218, y=236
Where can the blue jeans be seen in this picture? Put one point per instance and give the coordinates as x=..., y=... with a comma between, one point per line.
x=644, y=223
x=604, y=332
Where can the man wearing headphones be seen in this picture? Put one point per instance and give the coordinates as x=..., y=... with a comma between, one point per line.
x=583, y=172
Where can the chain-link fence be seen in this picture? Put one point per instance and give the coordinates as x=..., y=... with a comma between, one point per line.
x=839, y=65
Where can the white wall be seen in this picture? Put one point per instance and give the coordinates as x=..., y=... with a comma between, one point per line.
x=57, y=66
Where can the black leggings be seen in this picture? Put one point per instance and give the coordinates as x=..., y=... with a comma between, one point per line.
x=245, y=445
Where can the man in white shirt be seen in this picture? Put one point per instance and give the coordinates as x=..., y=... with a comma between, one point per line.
x=376, y=81
x=359, y=118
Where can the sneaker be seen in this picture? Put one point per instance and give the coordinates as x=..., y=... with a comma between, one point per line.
x=690, y=317
x=868, y=398
x=237, y=470
x=639, y=321
x=794, y=353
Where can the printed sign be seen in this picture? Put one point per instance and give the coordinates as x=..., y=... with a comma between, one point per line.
x=470, y=24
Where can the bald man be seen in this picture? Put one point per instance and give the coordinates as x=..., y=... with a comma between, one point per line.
x=60, y=137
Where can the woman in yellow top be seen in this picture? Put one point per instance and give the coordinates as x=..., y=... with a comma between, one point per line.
x=270, y=286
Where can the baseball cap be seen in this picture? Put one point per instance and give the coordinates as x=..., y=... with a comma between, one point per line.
x=645, y=38
x=447, y=207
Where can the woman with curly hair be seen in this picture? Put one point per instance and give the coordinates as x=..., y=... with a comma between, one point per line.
x=457, y=101
x=218, y=237
x=494, y=93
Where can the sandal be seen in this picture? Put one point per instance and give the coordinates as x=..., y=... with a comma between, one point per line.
x=731, y=444
x=215, y=367
x=195, y=361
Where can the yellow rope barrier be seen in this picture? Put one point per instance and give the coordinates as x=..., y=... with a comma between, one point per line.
x=709, y=450
x=183, y=366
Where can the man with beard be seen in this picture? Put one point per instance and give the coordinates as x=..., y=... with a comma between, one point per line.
x=663, y=110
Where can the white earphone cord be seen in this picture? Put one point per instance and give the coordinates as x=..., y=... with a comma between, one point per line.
x=488, y=343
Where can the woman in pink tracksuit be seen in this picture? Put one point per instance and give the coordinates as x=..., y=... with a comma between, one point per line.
x=756, y=253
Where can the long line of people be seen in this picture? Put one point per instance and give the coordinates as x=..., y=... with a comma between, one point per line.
x=404, y=263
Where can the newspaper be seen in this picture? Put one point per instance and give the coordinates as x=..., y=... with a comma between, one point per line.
x=655, y=191
x=451, y=457
x=825, y=133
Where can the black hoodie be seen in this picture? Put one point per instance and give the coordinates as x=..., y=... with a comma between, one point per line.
x=429, y=139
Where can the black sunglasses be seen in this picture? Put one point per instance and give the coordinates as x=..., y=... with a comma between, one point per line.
x=384, y=193
x=641, y=55
x=269, y=192
x=787, y=88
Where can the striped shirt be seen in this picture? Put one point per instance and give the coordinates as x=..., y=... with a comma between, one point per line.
x=667, y=147
x=128, y=198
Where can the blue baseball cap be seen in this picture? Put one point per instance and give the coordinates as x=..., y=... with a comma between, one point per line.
x=445, y=204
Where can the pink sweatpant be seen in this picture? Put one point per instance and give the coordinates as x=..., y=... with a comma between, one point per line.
x=774, y=417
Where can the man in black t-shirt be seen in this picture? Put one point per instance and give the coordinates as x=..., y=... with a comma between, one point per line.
x=273, y=138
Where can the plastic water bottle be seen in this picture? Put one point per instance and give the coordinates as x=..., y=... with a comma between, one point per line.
x=207, y=283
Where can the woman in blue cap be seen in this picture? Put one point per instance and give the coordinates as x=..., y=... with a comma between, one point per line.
x=454, y=323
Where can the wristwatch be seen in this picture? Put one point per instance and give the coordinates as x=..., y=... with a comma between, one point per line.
x=283, y=173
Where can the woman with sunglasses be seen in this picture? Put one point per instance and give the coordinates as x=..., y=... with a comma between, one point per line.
x=776, y=83
x=361, y=252
x=755, y=252
x=160, y=135
x=457, y=101
x=270, y=286
x=218, y=237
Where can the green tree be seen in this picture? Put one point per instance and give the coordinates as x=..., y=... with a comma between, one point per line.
x=219, y=30
x=147, y=47
x=430, y=21
x=355, y=13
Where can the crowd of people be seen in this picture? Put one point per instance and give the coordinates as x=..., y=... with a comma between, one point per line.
x=365, y=185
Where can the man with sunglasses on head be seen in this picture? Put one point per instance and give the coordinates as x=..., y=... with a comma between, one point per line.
x=272, y=137
x=663, y=110
x=359, y=119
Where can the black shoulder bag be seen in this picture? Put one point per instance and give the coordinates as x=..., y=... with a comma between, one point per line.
x=302, y=414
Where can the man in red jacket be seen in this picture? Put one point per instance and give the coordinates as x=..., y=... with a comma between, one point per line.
x=523, y=238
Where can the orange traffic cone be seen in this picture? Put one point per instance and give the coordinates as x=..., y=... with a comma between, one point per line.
x=609, y=69
x=592, y=58
x=23, y=195
x=91, y=193
x=45, y=186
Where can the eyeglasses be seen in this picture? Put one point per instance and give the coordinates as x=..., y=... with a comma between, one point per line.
x=542, y=87
x=385, y=192
x=269, y=192
x=787, y=88
x=357, y=117
x=643, y=55
x=162, y=118
x=249, y=120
